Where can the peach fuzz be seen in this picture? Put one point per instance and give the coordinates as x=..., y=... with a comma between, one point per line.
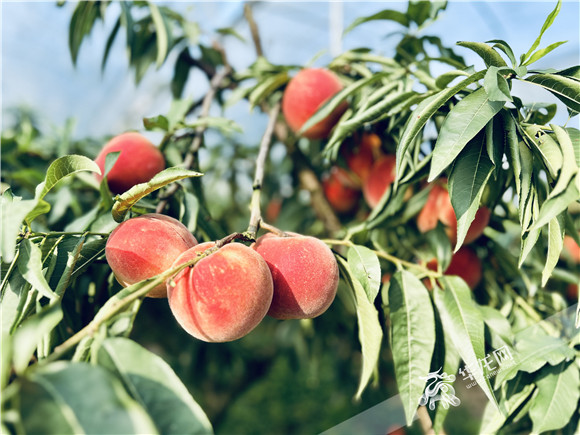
x=305, y=275
x=145, y=246
x=137, y=163
x=438, y=208
x=379, y=180
x=224, y=295
x=341, y=190
x=306, y=92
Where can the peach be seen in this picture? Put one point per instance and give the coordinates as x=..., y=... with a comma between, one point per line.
x=224, y=296
x=138, y=161
x=305, y=94
x=145, y=246
x=571, y=250
x=360, y=158
x=341, y=190
x=379, y=180
x=464, y=263
x=305, y=275
x=438, y=208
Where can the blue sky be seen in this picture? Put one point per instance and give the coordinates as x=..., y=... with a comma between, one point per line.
x=37, y=71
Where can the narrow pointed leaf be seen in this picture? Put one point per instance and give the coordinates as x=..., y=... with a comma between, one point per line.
x=487, y=53
x=467, y=181
x=161, y=32
x=564, y=88
x=465, y=324
x=412, y=335
x=569, y=167
x=555, y=244
x=557, y=204
x=30, y=267
x=558, y=394
x=424, y=111
x=541, y=53
x=369, y=329
x=549, y=20
x=124, y=202
x=365, y=267
x=504, y=46
x=387, y=14
x=464, y=121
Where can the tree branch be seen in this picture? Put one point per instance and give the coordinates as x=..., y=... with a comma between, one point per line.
x=253, y=29
x=197, y=141
x=255, y=212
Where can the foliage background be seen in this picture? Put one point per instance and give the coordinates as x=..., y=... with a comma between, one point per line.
x=286, y=377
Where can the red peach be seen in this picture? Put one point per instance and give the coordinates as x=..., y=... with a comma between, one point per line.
x=224, y=296
x=138, y=162
x=438, y=208
x=379, y=180
x=145, y=246
x=305, y=275
x=571, y=250
x=341, y=190
x=464, y=263
x=305, y=94
x=360, y=158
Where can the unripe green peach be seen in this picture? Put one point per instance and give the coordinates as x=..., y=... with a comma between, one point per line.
x=137, y=163
x=224, y=295
x=305, y=275
x=145, y=246
x=305, y=94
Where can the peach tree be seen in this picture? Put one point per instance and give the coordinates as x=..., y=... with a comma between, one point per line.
x=450, y=205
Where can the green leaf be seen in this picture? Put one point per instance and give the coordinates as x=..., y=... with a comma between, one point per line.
x=386, y=14
x=412, y=337
x=424, y=111
x=30, y=267
x=464, y=121
x=556, y=205
x=564, y=88
x=180, y=73
x=155, y=386
x=555, y=245
x=14, y=211
x=541, y=53
x=232, y=32
x=557, y=398
x=366, y=268
x=488, y=54
x=573, y=71
x=467, y=181
x=72, y=259
x=496, y=86
x=89, y=253
x=461, y=317
x=124, y=202
x=29, y=334
x=6, y=349
x=569, y=167
x=59, y=169
x=370, y=333
x=78, y=398
x=266, y=87
x=158, y=122
x=81, y=24
x=444, y=79
x=547, y=147
x=497, y=323
x=512, y=147
x=549, y=20
x=109, y=43
x=504, y=46
x=161, y=32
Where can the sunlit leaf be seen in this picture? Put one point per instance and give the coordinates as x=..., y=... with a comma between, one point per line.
x=387, y=14
x=365, y=267
x=549, y=21
x=487, y=53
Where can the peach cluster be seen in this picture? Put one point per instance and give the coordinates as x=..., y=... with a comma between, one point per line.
x=228, y=291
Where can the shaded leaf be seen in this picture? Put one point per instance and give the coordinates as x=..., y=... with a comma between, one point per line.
x=412, y=336
x=557, y=398
x=30, y=267
x=557, y=204
x=555, y=244
x=161, y=33
x=370, y=332
x=496, y=86
x=14, y=211
x=505, y=47
x=155, y=386
x=569, y=167
x=564, y=88
x=79, y=398
x=467, y=181
x=124, y=202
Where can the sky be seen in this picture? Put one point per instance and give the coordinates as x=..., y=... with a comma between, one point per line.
x=37, y=71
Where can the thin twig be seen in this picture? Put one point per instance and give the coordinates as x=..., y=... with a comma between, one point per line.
x=253, y=29
x=197, y=141
x=255, y=211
